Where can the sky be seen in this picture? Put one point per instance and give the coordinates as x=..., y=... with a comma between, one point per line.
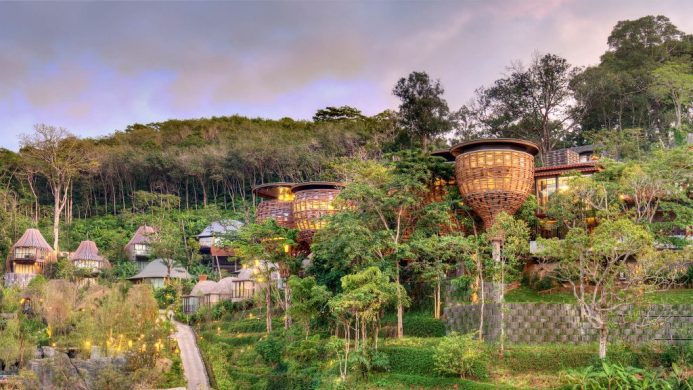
x=96, y=67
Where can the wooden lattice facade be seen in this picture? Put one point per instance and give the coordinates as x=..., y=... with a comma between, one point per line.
x=312, y=202
x=494, y=175
x=277, y=203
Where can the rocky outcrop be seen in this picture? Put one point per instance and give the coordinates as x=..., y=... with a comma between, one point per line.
x=56, y=369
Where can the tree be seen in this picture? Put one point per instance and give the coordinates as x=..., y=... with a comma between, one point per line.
x=359, y=308
x=59, y=157
x=531, y=103
x=423, y=112
x=385, y=204
x=308, y=300
x=343, y=113
x=513, y=236
x=609, y=269
x=436, y=256
x=673, y=82
x=266, y=247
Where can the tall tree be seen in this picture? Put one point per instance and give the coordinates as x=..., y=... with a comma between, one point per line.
x=597, y=267
x=59, y=157
x=531, y=103
x=423, y=111
x=342, y=113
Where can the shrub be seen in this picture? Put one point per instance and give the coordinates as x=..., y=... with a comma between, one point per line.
x=423, y=326
x=413, y=360
x=615, y=376
x=415, y=325
x=461, y=355
x=271, y=348
x=678, y=354
x=166, y=296
x=110, y=378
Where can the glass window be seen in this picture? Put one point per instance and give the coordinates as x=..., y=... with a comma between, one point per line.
x=563, y=183
x=545, y=187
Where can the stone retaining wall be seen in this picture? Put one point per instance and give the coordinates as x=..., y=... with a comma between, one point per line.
x=548, y=323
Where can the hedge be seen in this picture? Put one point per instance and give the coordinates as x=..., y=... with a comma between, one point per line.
x=395, y=380
x=416, y=360
x=416, y=325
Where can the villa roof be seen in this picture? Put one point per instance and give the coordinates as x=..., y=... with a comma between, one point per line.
x=270, y=190
x=583, y=167
x=156, y=269
x=87, y=250
x=220, y=228
x=583, y=149
x=32, y=238
x=204, y=287
x=142, y=235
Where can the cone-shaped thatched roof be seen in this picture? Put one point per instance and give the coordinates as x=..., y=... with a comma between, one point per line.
x=87, y=250
x=142, y=235
x=32, y=238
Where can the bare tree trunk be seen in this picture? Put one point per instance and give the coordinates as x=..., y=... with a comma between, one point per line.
x=268, y=307
x=400, y=306
x=436, y=312
x=287, y=304
x=603, y=338
x=56, y=217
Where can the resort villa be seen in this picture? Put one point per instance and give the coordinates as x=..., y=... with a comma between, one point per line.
x=28, y=258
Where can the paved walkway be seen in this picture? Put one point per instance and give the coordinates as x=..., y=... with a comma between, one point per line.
x=193, y=367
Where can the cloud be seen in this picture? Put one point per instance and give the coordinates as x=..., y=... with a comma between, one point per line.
x=97, y=67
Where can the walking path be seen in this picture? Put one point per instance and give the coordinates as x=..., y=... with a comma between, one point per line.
x=193, y=366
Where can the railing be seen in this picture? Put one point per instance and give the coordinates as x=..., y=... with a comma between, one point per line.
x=20, y=280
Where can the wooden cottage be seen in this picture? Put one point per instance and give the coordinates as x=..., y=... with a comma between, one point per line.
x=138, y=249
x=214, y=253
x=241, y=287
x=156, y=272
x=87, y=258
x=27, y=258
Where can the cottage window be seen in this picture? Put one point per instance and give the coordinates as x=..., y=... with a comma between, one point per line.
x=24, y=253
x=545, y=188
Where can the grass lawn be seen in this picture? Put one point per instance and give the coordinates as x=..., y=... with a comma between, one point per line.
x=524, y=294
x=677, y=296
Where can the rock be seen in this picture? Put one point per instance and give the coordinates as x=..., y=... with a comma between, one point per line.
x=163, y=365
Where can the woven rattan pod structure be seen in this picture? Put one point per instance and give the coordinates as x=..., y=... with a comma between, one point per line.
x=494, y=175
x=277, y=203
x=312, y=202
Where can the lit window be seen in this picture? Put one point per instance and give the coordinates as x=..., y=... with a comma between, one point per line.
x=545, y=188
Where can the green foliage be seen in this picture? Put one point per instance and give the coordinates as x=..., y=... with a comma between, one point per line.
x=462, y=355
x=423, y=112
x=308, y=300
x=409, y=359
x=609, y=376
x=271, y=348
x=166, y=296
x=419, y=325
